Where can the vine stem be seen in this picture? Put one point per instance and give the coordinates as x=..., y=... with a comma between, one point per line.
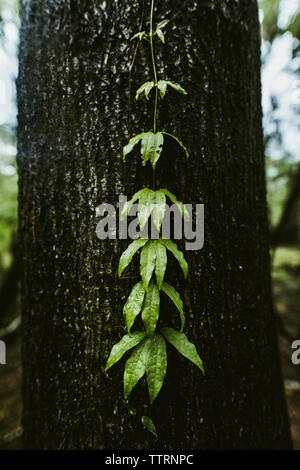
x=155, y=77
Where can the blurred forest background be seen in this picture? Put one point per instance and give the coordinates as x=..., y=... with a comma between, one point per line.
x=280, y=20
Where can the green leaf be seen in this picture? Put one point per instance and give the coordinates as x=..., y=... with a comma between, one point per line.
x=148, y=423
x=141, y=35
x=132, y=143
x=159, y=142
x=161, y=36
x=150, y=311
x=147, y=147
x=183, y=346
x=178, y=141
x=162, y=24
x=171, y=246
x=129, y=204
x=177, y=87
x=134, y=304
x=126, y=343
x=145, y=206
x=156, y=365
x=147, y=262
x=184, y=213
x=161, y=262
x=175, y=297
x=145, y=88
x=159, y=208
x=135, y=367
x=152, y=145
x=159, y=27
x=162, y=86
x=129, y=252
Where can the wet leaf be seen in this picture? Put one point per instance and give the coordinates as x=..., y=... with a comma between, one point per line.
x=126, y=343
x=161, y=262
x=148, y=423
x=177, y=87
x=129, y=253
x=159, y=27
x=152, y=145
x=145, y=88
x=132, y=143
x=129, y=204
x=150, y=311
x=156, y=365
x=135, y=367
x=159, y=208
x=134, y=304
x=141, y=35
x=162, y=24
x=176, y=299
x=178, y=141
x=163, y=84
x=147, y=262
x=162, y=87
x=183, y=346
x=171, y=246
x=184, y=213
x=145, y=206
x=161, y=36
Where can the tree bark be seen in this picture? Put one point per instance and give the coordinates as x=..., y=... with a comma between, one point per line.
x=76, y=94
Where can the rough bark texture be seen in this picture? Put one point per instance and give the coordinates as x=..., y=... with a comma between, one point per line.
x=78, y=77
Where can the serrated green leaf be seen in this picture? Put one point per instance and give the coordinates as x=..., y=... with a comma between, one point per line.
x=150, y=311
x=183, y=346
x=171, y=246
x=152, y=145
x=162, y=24
x=159, y=208
x=145, y=88
x=176, y=299
x=134, y=304
x=160, y=263
x=162, y=86
x=178, y=141
x=147, y=263
x=145, y=206
x=129, y=252
x=148, y=423
x=141, y=35
x=129, y=204
x=132, y=143
x=135, y=367
x=156, y=365
x=126, y=343
x=160, y=34
x=184, y=213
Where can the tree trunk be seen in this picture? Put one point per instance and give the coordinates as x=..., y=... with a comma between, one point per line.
x=76, y=93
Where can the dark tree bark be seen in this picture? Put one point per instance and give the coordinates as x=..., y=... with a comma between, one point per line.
x=78, y=77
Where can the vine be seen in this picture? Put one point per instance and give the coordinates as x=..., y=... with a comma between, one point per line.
x=149, y=355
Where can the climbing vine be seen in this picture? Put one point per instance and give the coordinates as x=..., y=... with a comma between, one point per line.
x=149, y=352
